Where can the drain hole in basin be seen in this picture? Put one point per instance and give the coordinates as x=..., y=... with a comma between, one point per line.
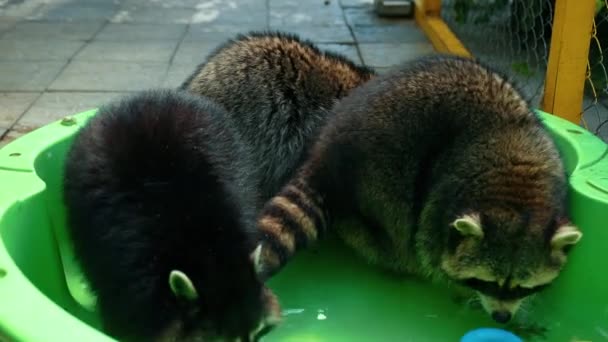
x=2, y=273
x=14, y=154
x=574, y=131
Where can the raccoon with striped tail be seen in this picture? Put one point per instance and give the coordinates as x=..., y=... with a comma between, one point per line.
x=278, y=90
x=440, y=169
x=158, y=208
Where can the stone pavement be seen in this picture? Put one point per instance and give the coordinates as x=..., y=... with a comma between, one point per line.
x=60, y=57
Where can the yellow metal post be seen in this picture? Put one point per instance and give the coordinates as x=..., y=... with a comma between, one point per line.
x=432, y=7
x=428, y=17
x=566, y=68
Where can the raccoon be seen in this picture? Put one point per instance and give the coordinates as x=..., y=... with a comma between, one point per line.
x=278, y=90
x=157, y=209
x=441, y=169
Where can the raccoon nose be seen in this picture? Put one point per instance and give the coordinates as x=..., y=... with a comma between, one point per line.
x=501, y=316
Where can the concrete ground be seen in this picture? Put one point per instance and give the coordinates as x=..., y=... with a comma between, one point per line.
x=60, y=57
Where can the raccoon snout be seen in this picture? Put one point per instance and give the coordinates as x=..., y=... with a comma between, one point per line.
x=501, y=311
x=501, y=316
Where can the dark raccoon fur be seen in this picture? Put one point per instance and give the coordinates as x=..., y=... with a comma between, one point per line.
x=154, y=190
x=278, y=90
x=441, y=169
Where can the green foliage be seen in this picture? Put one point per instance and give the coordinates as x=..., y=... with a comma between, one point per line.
x=522, y=68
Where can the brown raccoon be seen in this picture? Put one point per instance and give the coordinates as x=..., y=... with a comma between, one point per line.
x=278, y=90
x=441, y=169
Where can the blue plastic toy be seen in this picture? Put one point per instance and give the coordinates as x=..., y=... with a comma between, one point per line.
x=490, y=335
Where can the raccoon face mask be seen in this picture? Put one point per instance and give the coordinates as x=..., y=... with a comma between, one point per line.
x=196, y=324
x=505, y=259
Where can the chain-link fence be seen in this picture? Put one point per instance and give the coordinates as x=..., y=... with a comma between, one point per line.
x=514, y=36
x=596, y=87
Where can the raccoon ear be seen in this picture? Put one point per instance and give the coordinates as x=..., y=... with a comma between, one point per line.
x=256, y=258
x=565, y=235
x=469, y=225
x=182, y=286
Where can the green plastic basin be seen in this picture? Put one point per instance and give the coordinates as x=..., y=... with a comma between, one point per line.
x=327, y=293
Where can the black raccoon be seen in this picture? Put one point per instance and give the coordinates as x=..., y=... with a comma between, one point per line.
x=278, y=90
x=157, y=206
x=441, y=169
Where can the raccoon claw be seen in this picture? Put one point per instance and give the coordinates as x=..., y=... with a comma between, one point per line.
x=256, y=258
x=265, y=261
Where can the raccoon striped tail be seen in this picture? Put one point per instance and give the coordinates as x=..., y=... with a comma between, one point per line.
x=289, y=222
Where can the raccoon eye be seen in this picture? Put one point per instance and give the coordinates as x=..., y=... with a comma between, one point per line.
x=480, y=285
x=494, y=289
x=526, y=291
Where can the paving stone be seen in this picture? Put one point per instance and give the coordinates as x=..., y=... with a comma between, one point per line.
x=153, y=15
x=177, y=74
x=239, y=5
x=143, y=51
x=7, y=23
x=251, y=5
x=139, y=32
x=383, y=70
x=53, y=106
x=115, y=2
x=209, y=6
x=299, y=3
x=356, y=3
x=53, y=31
x=160, y=3
x=19, y=9
x=9, y=137
x=74, y=11
x=365, y=16
x=407, y=33
x=132, y=52
x=2, y=133
x=13, y=106
x=390, y=54
x=28, y=76
x=252, y=14
x=109, y=76
x=305, y=5
x=38, y=50
x=256, y=18
x=287, y=16
x=192, y=53
x=320, y=34
x=212, y=34
x=164, y=3
x=348, y=50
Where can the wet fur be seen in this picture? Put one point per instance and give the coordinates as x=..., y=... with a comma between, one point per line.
x=156, y=182
x=278, y=90
x=405, y=155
